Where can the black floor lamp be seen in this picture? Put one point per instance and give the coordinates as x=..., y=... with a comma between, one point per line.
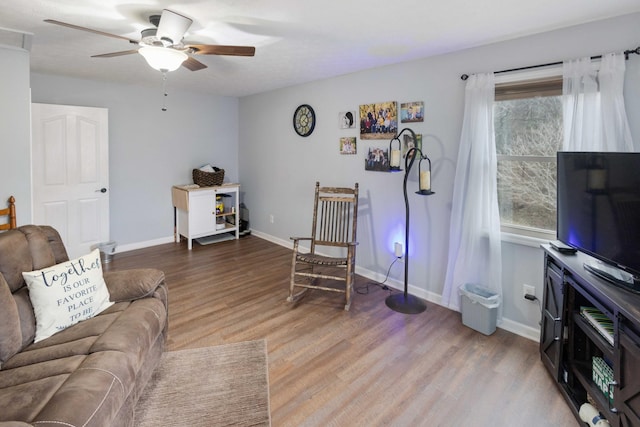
x=405, y=303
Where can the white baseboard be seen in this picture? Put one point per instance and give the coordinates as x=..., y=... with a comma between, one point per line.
x=520, y=329
x=277, y=241
x=141, y=245
x=506, y=324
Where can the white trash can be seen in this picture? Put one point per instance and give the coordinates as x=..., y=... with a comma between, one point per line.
x=107, y=249
x=479, y=308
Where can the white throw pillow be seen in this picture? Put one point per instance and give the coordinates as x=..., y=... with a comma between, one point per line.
x=65, y=294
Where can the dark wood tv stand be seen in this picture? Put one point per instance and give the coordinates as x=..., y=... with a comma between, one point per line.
x=568, y=343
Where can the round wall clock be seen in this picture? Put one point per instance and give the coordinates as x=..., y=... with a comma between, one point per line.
x=304, y=120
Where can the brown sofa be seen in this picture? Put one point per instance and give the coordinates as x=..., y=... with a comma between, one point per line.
x=90, y=374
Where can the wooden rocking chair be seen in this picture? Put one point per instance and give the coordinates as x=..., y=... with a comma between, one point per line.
x=10, y=212
x=335, y=214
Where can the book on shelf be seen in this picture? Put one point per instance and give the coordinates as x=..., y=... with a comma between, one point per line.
x=602, y=376
x=599, y=321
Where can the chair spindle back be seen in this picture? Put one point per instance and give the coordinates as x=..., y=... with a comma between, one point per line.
x=335, y=215
x=11, y=213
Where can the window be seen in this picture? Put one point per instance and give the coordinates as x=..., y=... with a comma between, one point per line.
x=528, y=133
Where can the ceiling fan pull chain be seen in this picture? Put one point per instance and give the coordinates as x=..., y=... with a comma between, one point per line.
x=164, y=91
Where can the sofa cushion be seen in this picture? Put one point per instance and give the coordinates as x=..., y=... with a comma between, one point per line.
x=55, y=243
x=98, y=388
x=10, y=336
x=39, y=371
x=27, y=317
x=16, y=257
x=76, y=391
x=23, y=249
x=67, y=293
x=39, y=247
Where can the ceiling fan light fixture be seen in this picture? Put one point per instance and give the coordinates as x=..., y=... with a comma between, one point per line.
x=162, y=58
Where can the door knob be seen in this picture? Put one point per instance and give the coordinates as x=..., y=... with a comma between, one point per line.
x=102, y=190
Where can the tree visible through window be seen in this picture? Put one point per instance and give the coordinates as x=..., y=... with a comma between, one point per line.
x=528, y=133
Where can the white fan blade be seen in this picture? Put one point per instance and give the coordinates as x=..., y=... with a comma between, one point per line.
x=172, y=26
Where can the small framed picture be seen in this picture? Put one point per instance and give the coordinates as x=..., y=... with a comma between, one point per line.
x=377, y=159
x=408, y=143
x=412, y=112
x=348, y=145
x=347, y=119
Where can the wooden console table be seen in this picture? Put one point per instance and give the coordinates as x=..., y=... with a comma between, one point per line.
x=569, y=343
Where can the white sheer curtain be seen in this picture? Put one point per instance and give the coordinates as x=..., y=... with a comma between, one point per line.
x=593, y=106
x=474, y=235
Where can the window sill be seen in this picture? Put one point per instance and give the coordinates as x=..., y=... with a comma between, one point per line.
x=519, y=239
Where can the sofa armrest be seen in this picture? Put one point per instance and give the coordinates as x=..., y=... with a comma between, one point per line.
x=127, y=285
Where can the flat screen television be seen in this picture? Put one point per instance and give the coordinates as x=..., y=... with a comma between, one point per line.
x=598, y=212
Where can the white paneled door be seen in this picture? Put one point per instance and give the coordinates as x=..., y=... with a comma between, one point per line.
x=70, y=161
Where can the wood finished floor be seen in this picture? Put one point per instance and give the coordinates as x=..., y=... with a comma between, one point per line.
x=366, y=367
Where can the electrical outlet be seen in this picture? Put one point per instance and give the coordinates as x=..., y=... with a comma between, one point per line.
x=271, y=219
x=398, y=249
x=528, y=290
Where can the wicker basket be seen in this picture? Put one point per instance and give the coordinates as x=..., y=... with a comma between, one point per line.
x=208, y=179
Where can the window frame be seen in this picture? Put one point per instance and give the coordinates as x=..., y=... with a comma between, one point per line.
x=512, y=233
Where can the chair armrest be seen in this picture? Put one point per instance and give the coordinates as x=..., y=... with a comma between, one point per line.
x=127, y=285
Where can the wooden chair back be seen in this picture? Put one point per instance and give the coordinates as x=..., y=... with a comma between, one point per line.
x=335, y=216
x=10, y=212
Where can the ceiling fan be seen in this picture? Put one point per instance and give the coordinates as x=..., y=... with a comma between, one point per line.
x=162, y=46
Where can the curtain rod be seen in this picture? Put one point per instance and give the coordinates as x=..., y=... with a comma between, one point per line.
x=626, y=56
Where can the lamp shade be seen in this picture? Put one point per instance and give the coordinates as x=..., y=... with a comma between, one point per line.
x=162, y=58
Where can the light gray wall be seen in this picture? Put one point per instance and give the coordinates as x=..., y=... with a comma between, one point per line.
x=278, y=168
x=252, y=138
x=151, y=150
x=15, y=131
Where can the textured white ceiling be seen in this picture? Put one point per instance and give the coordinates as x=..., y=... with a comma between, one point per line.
x=296, y=41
